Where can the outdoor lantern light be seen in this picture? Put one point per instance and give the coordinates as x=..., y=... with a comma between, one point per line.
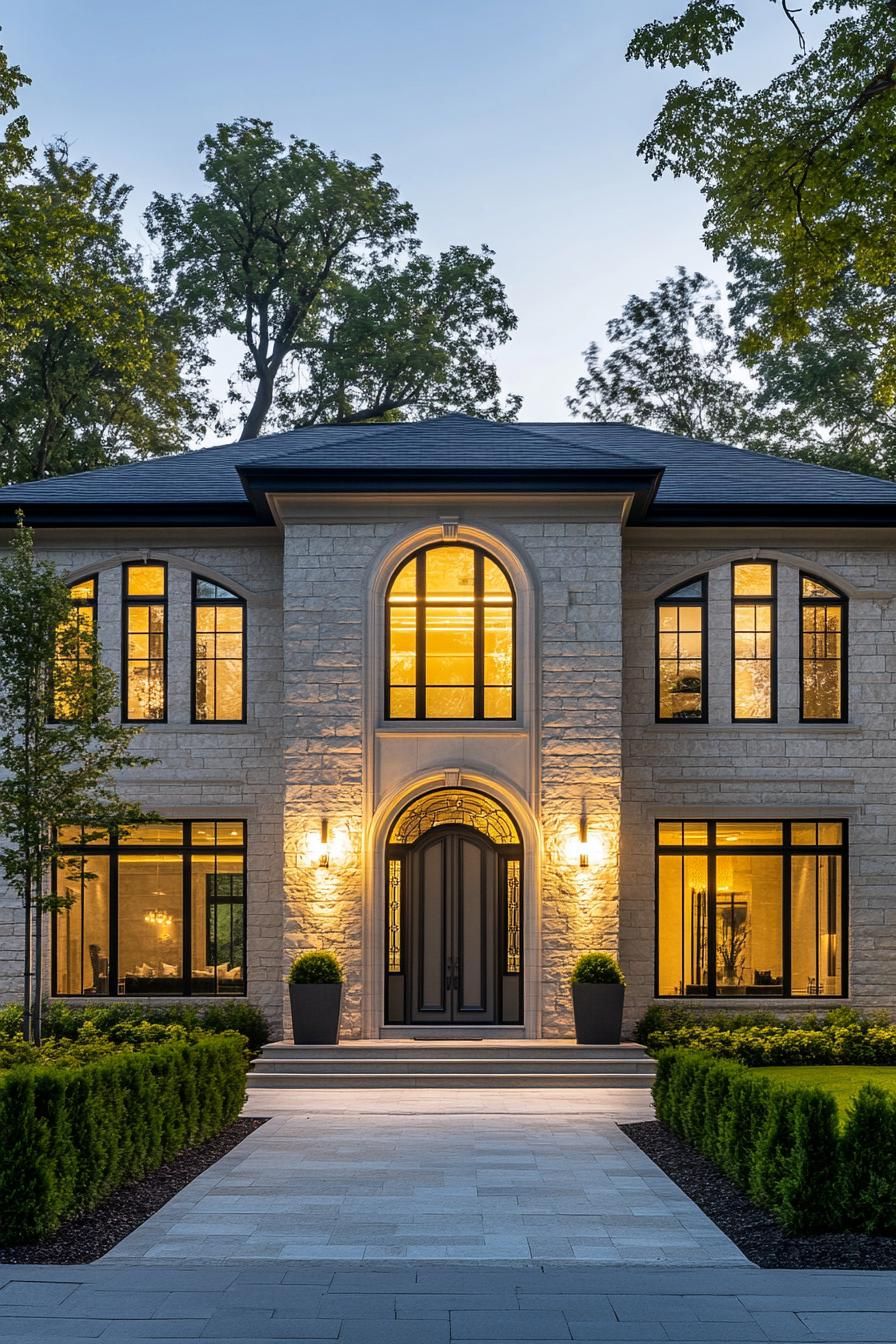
x=589, y=848
x=583, y=841
x=321, y=845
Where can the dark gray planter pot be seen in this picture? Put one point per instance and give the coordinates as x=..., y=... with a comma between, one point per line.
x=315, y=1013
x=598, y=1013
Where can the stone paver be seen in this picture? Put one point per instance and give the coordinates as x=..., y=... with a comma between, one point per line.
x=480, y=1175
x=425, y=1303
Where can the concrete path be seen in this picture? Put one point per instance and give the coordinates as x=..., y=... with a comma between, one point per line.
x=439, y=1304
x=492, y=1175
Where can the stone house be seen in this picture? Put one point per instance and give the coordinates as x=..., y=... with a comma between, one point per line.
x=461, y=700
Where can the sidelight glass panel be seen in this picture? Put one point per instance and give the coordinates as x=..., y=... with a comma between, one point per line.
x=514, y=952
x=683, y=925
x=82, y=928
x=394, y=917
x=817, y=924
x=150, y=923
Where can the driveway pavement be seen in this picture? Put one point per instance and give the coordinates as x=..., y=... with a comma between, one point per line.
x=440, y=1304
x=491, y=1175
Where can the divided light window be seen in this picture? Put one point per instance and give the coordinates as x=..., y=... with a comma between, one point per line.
x=145, y=654
x=219, y=654
x=681, y=660
x=753, y=909
x=753, y=654
x=160, y=909
x=450, y=637
x=822, y=652
x=75, y=651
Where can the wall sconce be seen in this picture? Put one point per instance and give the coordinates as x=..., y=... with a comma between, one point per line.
x=590, y=848
x=320, y=844
x=584, y=856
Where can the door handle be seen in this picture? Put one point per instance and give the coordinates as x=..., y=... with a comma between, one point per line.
x=448, y=974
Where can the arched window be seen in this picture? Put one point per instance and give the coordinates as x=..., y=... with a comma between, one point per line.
x=681, y=653
x=219, y=654
x=450, y=636
x=822, y=652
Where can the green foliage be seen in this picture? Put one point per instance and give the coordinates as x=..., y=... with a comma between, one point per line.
x=842, y=1036
x=316, y=968
x=102, y=370
x=799, y=172
x=596, y=968
x=58, y=743
x=70, y=1136
x=869, y=1149
x=133, y=1024
x=312, y=263
x=783, y=1145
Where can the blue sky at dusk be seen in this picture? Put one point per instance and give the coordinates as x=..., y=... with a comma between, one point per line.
x=509, y=122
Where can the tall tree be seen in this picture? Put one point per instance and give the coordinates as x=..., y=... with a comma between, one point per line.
x=800, y=172
x=672, y=366
x=312, y=263
x=101, y=369
x=59, y=746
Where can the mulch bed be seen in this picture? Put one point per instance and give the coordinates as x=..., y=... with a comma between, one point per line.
x=85, y=1238
x=754, y=1231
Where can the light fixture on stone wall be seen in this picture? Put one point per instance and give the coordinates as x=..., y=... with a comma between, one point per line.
x=320, y=844
x=590, y=848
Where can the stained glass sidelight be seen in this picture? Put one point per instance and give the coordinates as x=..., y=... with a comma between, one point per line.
x=513, y=917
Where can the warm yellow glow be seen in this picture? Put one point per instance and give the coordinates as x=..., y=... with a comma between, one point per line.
x=324, y=846
x=145, y=581
x=590, y=851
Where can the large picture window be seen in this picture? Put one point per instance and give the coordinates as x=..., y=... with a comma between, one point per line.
x=219, y=654
x=752, y=909
x=450, y=637
x=145, y=654
x=822, y=652
x=158, y=910
x=681, y=654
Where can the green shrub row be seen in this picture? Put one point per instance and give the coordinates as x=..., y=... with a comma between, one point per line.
x=62, y=1021
x=71, y=1136
x=842, y=1036
x=784, y=1145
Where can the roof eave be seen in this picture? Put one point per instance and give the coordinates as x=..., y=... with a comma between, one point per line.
x=761, y=513
x=152, y=513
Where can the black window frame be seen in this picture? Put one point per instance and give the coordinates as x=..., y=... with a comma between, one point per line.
x=234, y=600
x=186, y=850
x=479, y=606
x=786, y=850
x=668, y=599
x=756, y=601
x=142, y=600
x=92, y=603
x=839, y=599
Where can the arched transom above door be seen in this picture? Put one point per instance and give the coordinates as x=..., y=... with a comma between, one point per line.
x=455, y=807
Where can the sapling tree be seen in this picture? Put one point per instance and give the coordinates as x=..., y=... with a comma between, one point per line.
x=59, y=745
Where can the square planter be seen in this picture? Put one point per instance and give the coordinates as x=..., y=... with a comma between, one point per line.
x=315, y=1013
x=598, y=1013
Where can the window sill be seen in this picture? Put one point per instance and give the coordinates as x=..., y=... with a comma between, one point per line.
x=455, y=727
x=745, y=726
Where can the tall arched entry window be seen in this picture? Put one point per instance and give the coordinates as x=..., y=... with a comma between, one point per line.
x=450, y=636
x=454, y=912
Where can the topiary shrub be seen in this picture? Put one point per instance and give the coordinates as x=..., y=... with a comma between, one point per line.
x=238, y=1015
x=869, y=1156
x=316, y=968
x=597, y=968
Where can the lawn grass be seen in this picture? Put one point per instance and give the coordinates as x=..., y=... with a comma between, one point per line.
x=842, y=1080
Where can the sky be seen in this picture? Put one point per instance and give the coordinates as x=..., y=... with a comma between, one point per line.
x=508, y=122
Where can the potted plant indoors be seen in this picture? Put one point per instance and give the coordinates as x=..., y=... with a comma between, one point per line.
x=315, y=998
x=598, y=991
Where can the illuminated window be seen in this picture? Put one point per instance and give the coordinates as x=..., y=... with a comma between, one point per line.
x=145, y=600
x=751, y=909
x=75, y=651
x=753, y=640
x=450, y=637
x=219, y=654
x=681, y=654
x=822, y=651
x=158, y=910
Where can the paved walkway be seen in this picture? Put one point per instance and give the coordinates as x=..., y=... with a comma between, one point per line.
x=493, y=1175
x=437, y=1304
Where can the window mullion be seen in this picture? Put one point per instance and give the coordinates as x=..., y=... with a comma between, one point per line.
x=478, y=637
x=421, y=634
x=711, y=931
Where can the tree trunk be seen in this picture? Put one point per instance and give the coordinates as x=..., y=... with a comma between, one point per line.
x=29, y=933
x=264, y=395
x=37, y=1005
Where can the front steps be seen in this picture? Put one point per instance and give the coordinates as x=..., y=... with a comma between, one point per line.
x=452, y=1064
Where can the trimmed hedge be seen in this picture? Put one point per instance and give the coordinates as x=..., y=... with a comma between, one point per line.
x=784, y=1145
x=842, y=1036
x=70, y=1136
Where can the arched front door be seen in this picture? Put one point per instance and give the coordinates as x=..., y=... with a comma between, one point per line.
x=454, y=913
